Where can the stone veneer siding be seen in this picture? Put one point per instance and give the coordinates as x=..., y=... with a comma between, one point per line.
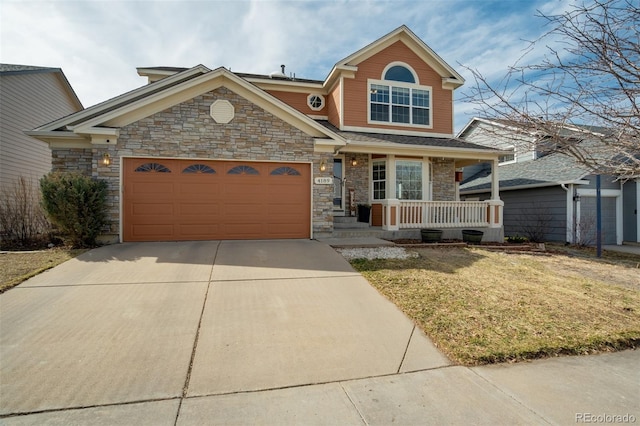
x=357, y=179
x=443, y=179
x=187, y=130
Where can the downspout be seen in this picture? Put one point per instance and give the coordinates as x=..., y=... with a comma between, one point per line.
x=571, y=213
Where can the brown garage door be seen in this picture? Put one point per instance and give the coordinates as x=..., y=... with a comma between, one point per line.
x=174, y=200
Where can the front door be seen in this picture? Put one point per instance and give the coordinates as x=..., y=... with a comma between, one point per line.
x=338, y=185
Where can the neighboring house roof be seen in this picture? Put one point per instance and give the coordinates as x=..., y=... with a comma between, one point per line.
x=561, y=129
x=554, y=169
x=15, y=69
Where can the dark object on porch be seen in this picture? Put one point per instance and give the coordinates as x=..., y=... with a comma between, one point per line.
x=472, y=236
x=364, y=212
x=431, y=235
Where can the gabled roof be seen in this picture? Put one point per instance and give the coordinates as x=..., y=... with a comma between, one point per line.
x=551, y=170
x=419, y=47
x=15, y=69
x=102, y=121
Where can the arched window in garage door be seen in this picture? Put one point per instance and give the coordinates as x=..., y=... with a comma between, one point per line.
x=288, y=171
x=152, y=168
x=243, y=170
x=199, y=168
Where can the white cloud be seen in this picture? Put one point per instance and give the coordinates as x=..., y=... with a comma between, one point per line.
x=98, y=44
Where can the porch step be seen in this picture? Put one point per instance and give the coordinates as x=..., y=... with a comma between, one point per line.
x=354, y=225
x=375, y=232
x=348, y=222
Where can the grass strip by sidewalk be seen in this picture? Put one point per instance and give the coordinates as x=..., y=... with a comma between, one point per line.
x=15, y=267
x=483, y=307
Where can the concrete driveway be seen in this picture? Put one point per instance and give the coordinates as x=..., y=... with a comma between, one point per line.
x=270, y=332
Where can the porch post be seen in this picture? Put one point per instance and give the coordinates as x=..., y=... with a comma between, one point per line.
x=495, y=180
x=391, y=214
x=496, y=206
x=391, y=205
x=391, y=177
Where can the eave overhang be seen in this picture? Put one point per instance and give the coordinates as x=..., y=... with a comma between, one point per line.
x=390, y=148
x=528, y=186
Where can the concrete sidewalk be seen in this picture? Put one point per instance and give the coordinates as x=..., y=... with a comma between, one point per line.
x=624, y=248
x=259, y=332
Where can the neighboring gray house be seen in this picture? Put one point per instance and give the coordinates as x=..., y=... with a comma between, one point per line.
x=30, y=96
x=549, y=194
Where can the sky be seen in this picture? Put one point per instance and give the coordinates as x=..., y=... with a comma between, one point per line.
x=99, y=43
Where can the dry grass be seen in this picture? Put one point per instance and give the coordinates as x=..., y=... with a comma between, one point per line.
x=483, y=307
x=16, y=267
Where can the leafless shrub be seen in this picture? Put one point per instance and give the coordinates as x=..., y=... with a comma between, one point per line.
x=586, y=231
x=22, y=219
x=535, y=223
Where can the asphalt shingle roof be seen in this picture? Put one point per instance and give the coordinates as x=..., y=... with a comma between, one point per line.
x=551, y=169
x=14, y=68
x=403, y=139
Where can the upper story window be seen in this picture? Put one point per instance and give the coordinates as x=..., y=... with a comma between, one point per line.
x=507, y=158
x=315, y=102
x=399, y=98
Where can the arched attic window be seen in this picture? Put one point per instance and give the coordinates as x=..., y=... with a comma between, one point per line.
x=399, y=73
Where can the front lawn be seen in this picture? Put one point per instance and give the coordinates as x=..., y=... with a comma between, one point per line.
x=481, y=307
x=16, y=267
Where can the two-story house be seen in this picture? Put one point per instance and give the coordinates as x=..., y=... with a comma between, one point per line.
x=547, y=193
x=205, y=153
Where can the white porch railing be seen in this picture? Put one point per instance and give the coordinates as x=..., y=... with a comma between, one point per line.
x=400, y=214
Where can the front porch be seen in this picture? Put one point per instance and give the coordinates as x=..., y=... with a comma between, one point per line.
x=401, y=219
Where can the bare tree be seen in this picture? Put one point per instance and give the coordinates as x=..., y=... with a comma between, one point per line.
x=582, y=97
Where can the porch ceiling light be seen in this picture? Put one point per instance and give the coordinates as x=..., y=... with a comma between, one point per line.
x=354, y=162
x=106, y=159
x=323, y=165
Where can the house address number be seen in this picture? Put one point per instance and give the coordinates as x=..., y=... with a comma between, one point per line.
x=323, y=180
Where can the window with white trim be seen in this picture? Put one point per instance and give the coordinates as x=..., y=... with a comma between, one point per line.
x=507, y=158
x=315, y=102
x=409, y=180
x=379, y=179
x=399, y=99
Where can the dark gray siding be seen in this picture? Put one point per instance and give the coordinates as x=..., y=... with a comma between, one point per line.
x=536, y=209
x=630, y=212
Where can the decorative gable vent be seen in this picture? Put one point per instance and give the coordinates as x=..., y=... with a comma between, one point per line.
x=222, y=111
